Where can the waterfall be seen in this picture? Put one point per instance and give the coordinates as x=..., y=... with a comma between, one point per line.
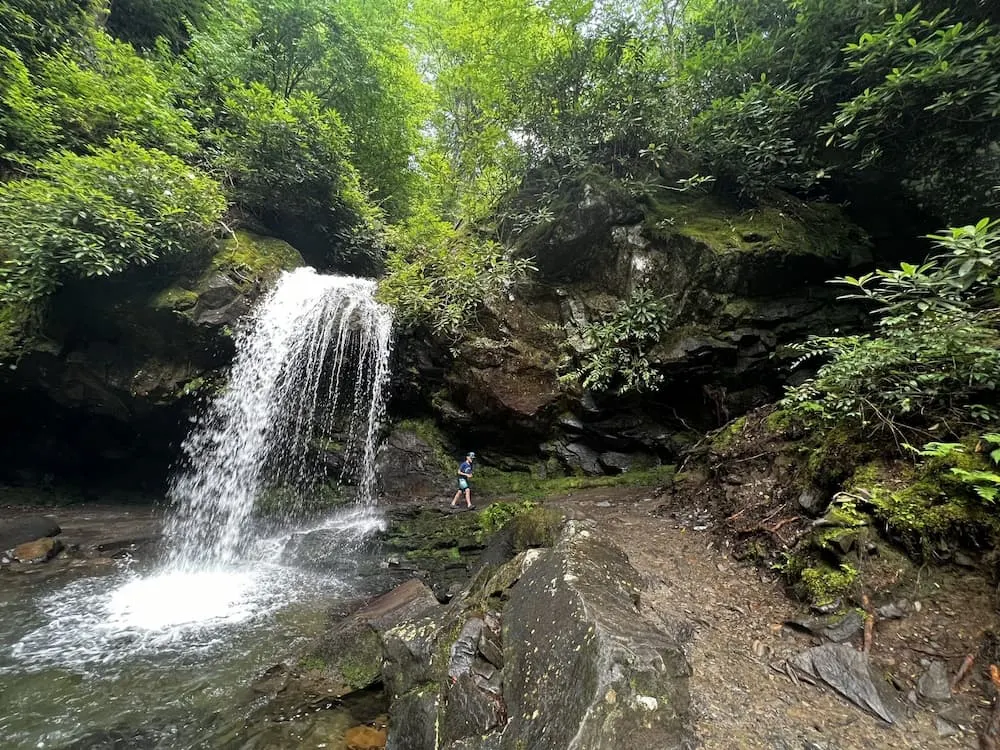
x=311, y=366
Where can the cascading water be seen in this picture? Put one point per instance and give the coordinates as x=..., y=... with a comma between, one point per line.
x=317, y=347
x=132, y=646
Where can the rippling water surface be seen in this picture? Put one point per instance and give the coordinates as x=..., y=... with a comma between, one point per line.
x=164, y=658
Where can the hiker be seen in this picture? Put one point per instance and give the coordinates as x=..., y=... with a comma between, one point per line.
x=464, y=475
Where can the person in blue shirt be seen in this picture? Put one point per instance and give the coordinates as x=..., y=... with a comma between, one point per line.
x=464, y=475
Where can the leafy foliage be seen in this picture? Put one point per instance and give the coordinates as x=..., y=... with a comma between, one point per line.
x=442, y=277
x=350, y=57
x=27, y=126
x=933, y=363
x=288, y=159
x=983, y=478
x=112, y=93
x=618, y=347
x=32, y=27
x=95, y=215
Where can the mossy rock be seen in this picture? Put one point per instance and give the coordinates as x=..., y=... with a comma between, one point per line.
x=177, y=299
x=794, y=228
x=252, y=258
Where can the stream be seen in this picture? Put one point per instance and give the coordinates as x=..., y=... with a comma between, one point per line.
x=159, y=658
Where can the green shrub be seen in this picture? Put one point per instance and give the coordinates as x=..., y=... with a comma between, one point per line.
x=27, y=125
x=933, y=362
x=111, y=92
x=95, y=215
x=441, y=277
x=288, y=159
x=618, y=346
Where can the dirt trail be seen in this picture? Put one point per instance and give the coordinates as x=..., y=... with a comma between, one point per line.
x=736, y=611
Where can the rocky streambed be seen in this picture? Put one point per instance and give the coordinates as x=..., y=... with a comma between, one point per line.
x=636, y=626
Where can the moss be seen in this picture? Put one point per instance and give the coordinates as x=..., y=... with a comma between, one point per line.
x=537, y=484
x=251, y=258
x=925, y=506
x=176, y=299
x=428, y=431
x=835, y=457
x=795, y=228
x=727, y=436
x=445, y=554
x=362, y=665
x=538, y=527
x=822, y=584
x=430, y=533
x=782, y=422
x=311, y=663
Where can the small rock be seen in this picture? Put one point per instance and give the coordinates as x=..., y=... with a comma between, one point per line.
x=812, y=501
x=603, y=504
x=365, y=738
x=963, y=560
x=934, y=684
x=827, y=609
x=845, y=628
x=917, y=606
x=38, y=551
x=944, y=728
x=892, y=611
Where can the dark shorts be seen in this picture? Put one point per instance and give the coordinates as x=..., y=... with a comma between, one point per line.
x=462, y=484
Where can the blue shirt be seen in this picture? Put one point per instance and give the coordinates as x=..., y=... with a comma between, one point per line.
x=465, y=468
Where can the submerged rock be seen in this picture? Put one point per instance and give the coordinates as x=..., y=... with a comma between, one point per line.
x=38, y=551
x=364, y=738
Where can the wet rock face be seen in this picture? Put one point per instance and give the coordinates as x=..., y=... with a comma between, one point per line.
x=738, y=285
x=115, y=371
x=409, y=469
x=546, y=651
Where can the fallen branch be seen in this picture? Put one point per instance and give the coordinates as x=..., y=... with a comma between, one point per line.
x=963, y=671
x=773, y=528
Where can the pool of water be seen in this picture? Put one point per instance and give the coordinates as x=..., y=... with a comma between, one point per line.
x=162, y=657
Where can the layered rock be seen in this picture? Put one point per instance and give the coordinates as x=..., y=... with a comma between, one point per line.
x=738, y=283
x=546, y=651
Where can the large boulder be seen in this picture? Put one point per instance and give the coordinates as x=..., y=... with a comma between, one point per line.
x=546, y=651
x=346, y=658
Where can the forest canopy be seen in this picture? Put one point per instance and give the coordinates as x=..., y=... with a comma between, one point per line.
x=347, y=126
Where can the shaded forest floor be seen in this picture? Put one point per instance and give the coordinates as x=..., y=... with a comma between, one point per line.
x=736, y=615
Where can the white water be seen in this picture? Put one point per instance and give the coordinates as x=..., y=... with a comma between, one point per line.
x=317, y=347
